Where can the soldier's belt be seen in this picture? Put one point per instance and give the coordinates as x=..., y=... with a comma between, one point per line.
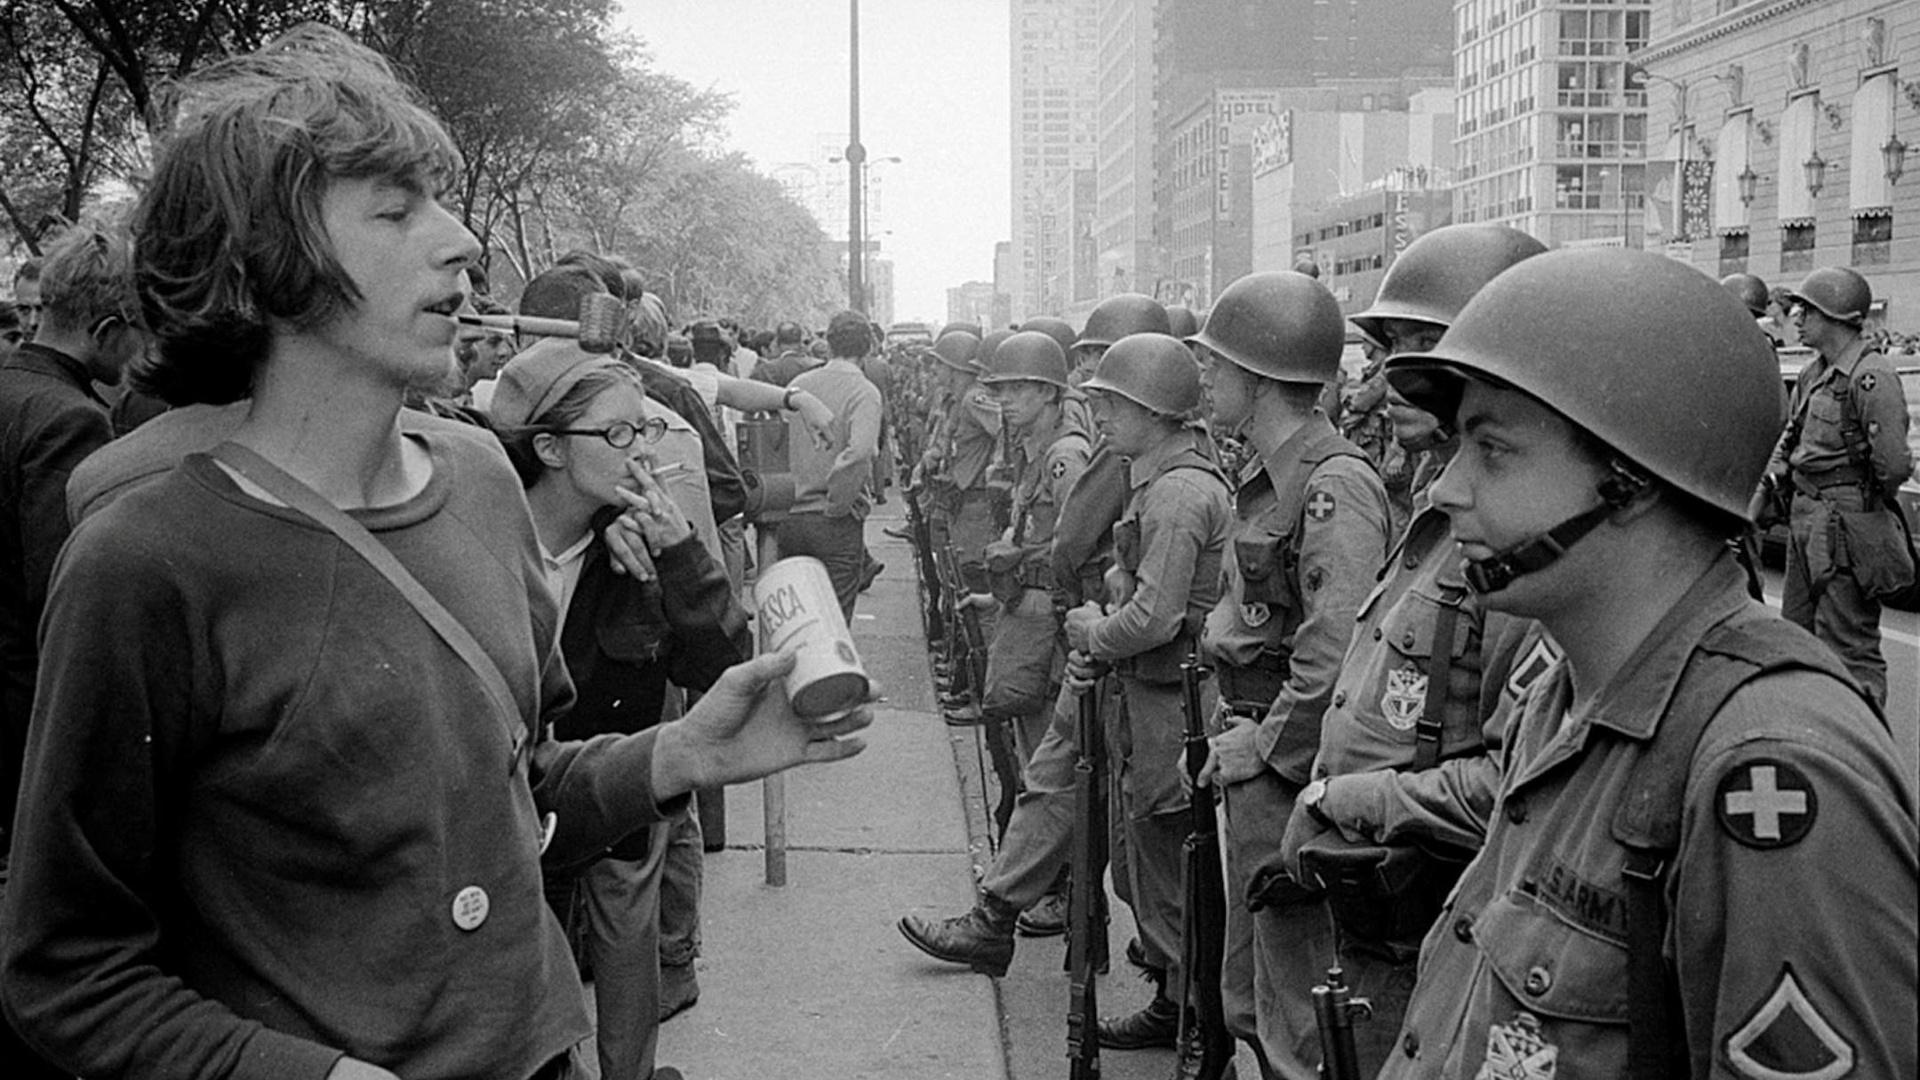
x=1815, y=487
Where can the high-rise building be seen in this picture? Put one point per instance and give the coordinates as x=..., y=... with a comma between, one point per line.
x=973, y=302
x=1055, y=68
x=1069, y=263
x=1348, y=186
x=1552, y=138
x=1219, y=66
x=1780, y=136
x=1123, y=167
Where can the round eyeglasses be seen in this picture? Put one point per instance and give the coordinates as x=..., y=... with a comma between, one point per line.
x=620, y=434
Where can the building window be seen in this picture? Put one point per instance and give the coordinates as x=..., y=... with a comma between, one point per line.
x=1733, y=252
x=1872, y=236
x=1796, y=248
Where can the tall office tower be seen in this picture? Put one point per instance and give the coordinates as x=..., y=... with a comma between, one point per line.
x=1123, y=217
x=1551, y=138
x=1222, y=67
x=1055, y=73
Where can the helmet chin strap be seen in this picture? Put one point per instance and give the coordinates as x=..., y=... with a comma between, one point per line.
x=1538, y=553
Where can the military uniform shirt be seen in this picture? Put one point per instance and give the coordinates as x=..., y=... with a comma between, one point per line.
x=1048, y=462
x=1367, y=737
x=1792, y=898
x=1879, y=407
x=1182, y=516
x=971, y=434
x=1342, y=542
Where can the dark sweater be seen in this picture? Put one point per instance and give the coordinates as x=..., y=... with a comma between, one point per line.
x=258, y=781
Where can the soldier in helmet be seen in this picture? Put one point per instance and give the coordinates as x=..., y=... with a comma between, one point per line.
x=1406, y=768
x=1167, y=553
x=1027, y=376
x=953, y=469
x=1308, y=534
x=1080, y=548
x=1170, y=545
x=1700, y=857
x=1750, y=290
x=1843, y=456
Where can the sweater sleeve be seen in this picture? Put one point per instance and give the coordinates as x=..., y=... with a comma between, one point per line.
x=83, y=974
x=709, y=627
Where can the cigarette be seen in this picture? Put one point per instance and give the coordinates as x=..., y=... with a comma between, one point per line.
x=668, y=469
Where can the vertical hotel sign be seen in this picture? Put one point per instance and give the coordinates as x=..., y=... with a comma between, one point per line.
x=1231, y=109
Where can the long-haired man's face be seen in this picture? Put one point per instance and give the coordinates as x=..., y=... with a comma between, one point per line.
x=405, y=254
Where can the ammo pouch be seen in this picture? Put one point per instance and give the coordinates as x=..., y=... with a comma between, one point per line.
x=1377, y=892
x=1265, y=572
x=1252, y=687
x=1876, y=547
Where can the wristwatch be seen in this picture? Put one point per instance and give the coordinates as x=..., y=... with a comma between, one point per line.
x=1310, y=798
x=786, y=399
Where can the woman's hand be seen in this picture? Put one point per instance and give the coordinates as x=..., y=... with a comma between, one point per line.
x=652, y=510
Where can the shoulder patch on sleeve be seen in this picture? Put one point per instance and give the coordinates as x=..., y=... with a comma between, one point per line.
x=1538, y=661
x=1766, y=803
x=1786, y=1038
x=1868, y=380
x=1320, y=505
x=1059, y=468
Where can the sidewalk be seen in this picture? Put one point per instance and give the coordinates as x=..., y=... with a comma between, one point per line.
x=812, y=979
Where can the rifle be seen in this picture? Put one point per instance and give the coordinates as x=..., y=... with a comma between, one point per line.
x=1000, y=482
x=1334, y=1011
x=1203, y=917
x=999, y=741
x=928, y=574
x=1087, y=898
x=991, y=738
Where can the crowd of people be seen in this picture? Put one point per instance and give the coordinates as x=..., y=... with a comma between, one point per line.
x=1498, y=724
x=362, y=664
x=366, y=656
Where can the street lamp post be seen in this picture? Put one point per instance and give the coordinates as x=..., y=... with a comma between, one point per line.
x=856, y=161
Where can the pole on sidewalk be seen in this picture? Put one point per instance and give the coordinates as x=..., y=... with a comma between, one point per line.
x=773, y=790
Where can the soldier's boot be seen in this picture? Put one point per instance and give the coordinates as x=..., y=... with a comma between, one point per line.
x=982, y=939
x=1046, y=918
x=1156, y=1025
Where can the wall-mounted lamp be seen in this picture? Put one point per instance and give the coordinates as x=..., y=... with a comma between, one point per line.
x=1816, y=167
x=1749, y=182
x=1893, y=154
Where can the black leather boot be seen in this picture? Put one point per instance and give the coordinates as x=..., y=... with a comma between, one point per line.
x=1156, y=1025
x=982, y=939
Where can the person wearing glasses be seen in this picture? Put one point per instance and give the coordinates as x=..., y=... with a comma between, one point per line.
x=642, y=603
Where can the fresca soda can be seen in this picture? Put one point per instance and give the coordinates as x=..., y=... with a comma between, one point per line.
x=797, y=611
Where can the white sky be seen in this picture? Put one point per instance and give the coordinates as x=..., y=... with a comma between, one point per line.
x=933, y=92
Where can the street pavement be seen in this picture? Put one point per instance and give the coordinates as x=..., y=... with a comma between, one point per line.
x=812, y=979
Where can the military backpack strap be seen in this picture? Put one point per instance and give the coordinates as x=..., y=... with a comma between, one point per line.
x=1433, y=712
x=1647, y=824
x=1853, y=434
